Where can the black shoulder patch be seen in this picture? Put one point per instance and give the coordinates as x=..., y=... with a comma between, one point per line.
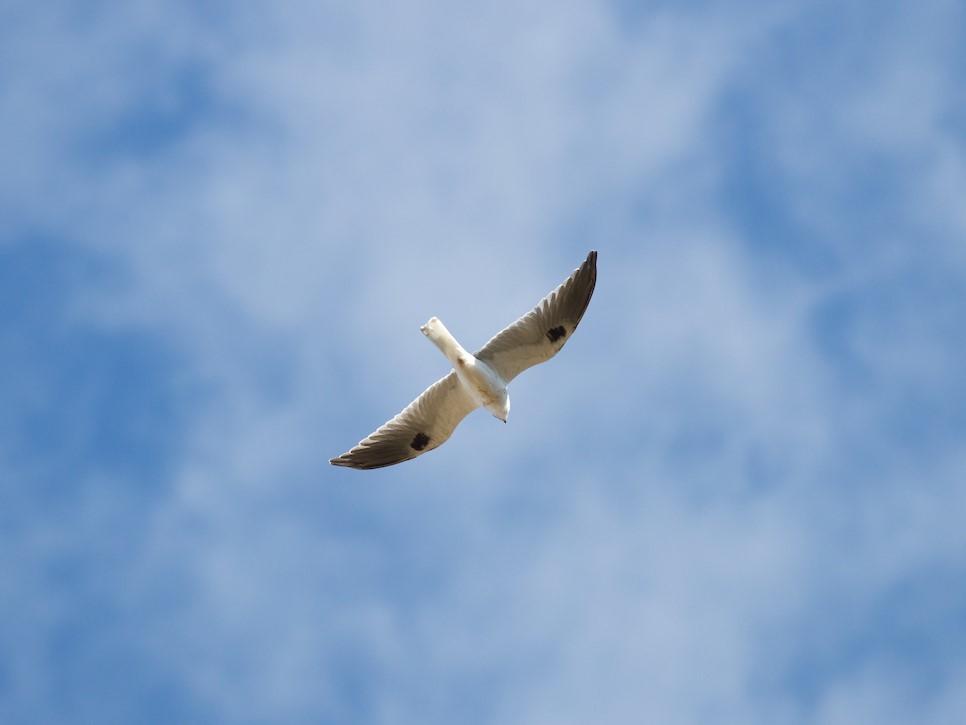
x=555, y=333
x=420, y=441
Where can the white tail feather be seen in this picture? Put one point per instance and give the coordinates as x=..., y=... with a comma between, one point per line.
x=436, y=331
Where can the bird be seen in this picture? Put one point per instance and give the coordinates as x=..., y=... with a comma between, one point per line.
x=477, y=379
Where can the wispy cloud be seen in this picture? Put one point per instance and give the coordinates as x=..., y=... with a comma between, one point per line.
x=736, y=497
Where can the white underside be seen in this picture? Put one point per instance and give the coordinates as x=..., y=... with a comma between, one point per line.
x=480, y=381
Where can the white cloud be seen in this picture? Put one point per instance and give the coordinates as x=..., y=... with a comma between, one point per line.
x=665, y=546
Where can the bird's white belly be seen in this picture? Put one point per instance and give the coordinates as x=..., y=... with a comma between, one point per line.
x=484, y=385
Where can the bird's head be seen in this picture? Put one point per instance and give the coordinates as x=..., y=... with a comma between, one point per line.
x=502, y=410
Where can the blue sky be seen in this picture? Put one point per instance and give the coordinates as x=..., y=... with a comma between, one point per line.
x=737, y=497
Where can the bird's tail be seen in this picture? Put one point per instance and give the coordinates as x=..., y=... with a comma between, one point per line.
x=436, y=331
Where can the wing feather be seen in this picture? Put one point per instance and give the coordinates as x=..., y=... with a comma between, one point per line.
x=423, y=425
x=541, y=333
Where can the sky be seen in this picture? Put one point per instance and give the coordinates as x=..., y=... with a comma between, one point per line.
x=738, y=494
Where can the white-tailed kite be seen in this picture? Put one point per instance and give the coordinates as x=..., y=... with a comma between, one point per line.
x=477, y=380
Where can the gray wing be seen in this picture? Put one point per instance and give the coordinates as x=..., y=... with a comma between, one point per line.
x=539, y=334
x=425, y=424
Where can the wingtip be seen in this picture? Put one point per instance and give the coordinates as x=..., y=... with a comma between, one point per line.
x=345, y=461
x=587, y=272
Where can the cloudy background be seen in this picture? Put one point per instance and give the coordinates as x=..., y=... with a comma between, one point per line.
x=739, y=496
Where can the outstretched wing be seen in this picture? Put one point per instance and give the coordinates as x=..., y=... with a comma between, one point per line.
x=425, y=424
x=538, y=335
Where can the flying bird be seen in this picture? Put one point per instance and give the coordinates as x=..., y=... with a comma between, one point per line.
x=479, y=379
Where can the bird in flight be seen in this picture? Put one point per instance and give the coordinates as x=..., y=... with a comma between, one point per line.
x=479, y=379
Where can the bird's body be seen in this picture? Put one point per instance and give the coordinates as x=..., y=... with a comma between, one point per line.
x=480, y=379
